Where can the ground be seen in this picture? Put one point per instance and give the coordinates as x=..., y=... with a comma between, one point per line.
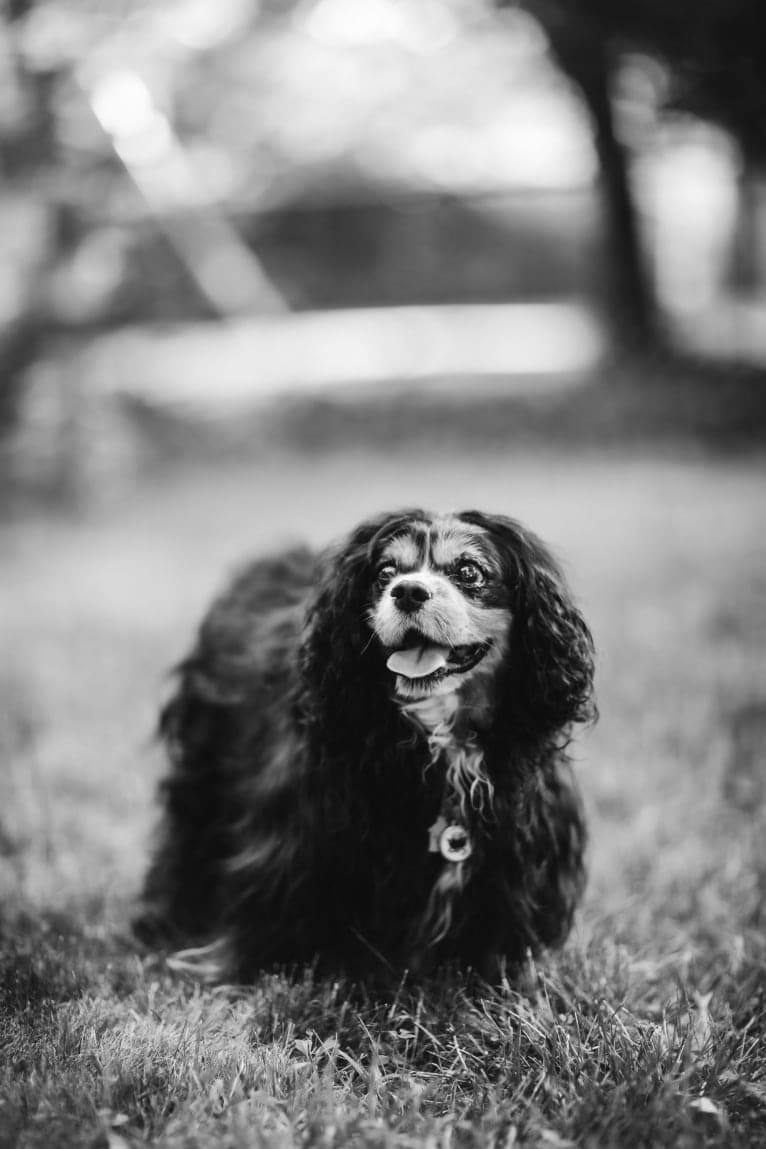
x=647, y=1030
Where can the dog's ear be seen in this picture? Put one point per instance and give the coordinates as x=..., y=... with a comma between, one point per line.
x=339, y=657
x=551, y=659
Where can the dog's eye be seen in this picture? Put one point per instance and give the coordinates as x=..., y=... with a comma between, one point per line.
x=470, y=573
x=386, y=572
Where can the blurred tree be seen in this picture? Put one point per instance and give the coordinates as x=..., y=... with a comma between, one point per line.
x=26, y=141
x=716, y=53
x=716, y=50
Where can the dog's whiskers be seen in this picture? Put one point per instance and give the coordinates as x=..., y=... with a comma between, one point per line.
x=368, y=643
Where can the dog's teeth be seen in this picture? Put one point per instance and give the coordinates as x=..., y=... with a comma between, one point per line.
x=418, y=661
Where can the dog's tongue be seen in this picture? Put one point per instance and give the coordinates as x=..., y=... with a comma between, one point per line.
x=418, y=661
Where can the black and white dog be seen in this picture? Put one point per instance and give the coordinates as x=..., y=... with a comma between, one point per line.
x=368, y=755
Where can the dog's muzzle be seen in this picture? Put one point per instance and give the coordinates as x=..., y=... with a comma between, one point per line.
x=409, y=595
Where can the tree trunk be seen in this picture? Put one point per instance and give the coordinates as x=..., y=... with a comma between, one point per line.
x=746, y=270
x=581, y=51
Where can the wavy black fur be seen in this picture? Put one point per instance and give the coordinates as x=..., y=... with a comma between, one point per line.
x=297, y=807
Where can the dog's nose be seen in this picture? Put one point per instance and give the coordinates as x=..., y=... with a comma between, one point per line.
x=410, y=595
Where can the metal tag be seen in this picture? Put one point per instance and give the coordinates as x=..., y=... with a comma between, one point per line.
x=455, y=844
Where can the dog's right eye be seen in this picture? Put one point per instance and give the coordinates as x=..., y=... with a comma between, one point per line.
x=386, y=572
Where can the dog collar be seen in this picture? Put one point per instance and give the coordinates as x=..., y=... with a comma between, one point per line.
x=449, y=839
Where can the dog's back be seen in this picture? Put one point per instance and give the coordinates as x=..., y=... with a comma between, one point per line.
x=240, y=655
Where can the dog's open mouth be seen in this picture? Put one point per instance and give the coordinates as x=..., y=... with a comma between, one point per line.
x=425, y=661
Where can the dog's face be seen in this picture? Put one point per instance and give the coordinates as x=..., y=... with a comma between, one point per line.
x=440, y=605
x=449, y=607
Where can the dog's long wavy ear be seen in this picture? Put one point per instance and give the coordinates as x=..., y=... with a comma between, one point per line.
x=551, y=663
x=340, y=658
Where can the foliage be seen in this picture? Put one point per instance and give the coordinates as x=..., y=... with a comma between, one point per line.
x=716, y=50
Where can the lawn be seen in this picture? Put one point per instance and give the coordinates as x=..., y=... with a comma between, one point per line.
x=648, y=1029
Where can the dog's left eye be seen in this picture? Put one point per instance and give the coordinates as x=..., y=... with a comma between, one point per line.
x=470, y=573
x=385, y=573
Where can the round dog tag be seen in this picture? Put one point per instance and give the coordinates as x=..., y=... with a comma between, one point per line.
x=455, y=844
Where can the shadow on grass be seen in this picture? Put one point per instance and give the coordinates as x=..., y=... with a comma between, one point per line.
x=106, y=443
x=656, y=403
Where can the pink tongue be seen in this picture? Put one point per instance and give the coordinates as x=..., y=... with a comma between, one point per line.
x=418, y=661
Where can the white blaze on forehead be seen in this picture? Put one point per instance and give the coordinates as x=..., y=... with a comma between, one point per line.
x=438, y=544
x=404, y=550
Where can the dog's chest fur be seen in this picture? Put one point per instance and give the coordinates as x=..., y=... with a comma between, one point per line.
x=453, y=748
x=466, y=792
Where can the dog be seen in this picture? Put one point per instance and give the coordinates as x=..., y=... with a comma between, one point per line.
x=368, y=754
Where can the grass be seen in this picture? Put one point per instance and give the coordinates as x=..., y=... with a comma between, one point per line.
x=648, y=1029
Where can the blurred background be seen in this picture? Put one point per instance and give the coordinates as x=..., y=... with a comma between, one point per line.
x=210, y=211
x=267, y=267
